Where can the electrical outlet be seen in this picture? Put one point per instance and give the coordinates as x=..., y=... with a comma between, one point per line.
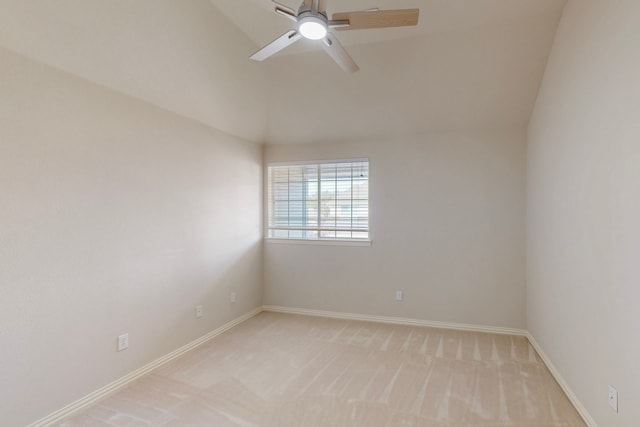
x=198, y=312
x=232, y=297
x=613, y=398
x=123, y=342
x=398, y=295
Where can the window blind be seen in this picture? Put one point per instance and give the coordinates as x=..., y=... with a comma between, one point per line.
x=319, y=201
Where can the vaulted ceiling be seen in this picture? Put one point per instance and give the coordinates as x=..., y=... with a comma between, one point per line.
x=468, y=64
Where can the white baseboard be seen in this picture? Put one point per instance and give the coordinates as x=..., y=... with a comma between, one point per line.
x=563, y=384
x=397, y=320
x=102, y=392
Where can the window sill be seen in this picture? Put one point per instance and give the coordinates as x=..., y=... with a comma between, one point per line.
x=326, y=242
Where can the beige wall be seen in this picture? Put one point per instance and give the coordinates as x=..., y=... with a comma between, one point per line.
x=447, y=224
x=583, y=281
x=115, y=216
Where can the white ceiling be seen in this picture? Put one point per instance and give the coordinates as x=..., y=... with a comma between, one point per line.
x=183, y=56
x=468, y=64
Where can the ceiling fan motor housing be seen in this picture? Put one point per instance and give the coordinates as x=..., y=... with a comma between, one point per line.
x=313, y=25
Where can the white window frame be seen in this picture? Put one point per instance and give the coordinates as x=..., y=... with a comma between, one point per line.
x=318, y=241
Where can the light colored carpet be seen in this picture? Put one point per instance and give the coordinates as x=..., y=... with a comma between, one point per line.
x=287, y=370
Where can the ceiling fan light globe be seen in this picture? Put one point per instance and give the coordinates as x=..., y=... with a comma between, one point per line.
x=313, y=29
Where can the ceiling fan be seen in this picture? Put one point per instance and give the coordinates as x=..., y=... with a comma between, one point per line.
x=313, y=23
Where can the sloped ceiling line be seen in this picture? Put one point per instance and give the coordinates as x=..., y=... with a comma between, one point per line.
x=469, y=63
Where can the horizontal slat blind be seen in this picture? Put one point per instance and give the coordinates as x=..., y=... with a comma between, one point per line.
x=323, y=201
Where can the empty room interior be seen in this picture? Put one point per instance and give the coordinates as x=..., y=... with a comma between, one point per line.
x=320, y=213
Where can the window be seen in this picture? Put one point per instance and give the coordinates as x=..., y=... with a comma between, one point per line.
x=319, y=201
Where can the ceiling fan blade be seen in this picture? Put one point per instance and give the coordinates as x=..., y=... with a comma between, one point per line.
x=336, y=51
x=277, y=45
x=286, y=13
x=284, y=8
x=377, y=19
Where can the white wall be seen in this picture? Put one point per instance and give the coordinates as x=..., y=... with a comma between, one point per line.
x=583, y=269
x=447, y=224
x=115, y=216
